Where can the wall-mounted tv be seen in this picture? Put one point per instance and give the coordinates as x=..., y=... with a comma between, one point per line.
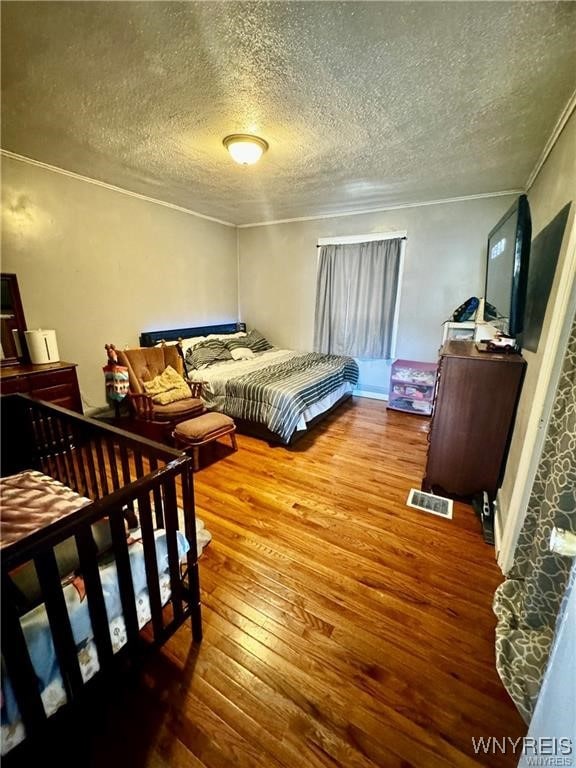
x=507, y=269
x=544, y=254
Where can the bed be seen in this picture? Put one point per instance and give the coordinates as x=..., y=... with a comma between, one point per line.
x=99, y=556
x=274, y=393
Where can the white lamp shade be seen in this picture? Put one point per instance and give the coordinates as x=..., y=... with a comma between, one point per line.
x=244, y=149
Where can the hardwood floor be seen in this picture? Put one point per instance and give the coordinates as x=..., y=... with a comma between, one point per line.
x=341, y=627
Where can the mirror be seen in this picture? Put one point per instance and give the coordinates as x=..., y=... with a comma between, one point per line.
x=12, y=322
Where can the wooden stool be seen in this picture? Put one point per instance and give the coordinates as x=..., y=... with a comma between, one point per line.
x=194, y=433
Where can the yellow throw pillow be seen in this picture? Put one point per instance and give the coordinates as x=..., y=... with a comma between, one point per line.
x=171, y=396
x=167, y=387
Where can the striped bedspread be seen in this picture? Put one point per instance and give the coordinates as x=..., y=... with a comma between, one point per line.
x=278, y=391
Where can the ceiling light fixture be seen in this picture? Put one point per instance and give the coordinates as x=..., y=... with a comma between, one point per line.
x=245, y=149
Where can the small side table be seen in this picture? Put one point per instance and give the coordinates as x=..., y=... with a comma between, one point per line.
x=412, y=385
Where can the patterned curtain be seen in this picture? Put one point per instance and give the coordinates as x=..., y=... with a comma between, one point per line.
x=528, y=603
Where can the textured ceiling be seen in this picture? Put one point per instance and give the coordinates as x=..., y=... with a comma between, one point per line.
x=364, y=105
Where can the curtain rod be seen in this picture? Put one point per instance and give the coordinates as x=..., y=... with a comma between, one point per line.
x=368, y=241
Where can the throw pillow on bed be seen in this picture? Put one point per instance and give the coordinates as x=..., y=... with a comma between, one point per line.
x=167, y=387
x=241, y=353
x=256, y=342
x=239, y=349
x=207, y=353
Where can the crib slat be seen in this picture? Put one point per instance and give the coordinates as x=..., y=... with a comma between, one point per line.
x=57, y=449
x=36, y=432
x=101, y=468
x=78, y=440
x=125, y=462
x=192, y=555
x=64, y=644
x=96, y=605
x=78, y=459
x=158, y=514
x=72, y=456
x=64, y=443
x=125, y=582
x=151, y=565
x=49, y=465
x=138, y=464
x=18, y=664
x=113, y=466
x=171, y=520
x=89, y=452
x=126, y=476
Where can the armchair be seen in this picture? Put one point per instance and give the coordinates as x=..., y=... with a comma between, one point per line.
x=144, y=364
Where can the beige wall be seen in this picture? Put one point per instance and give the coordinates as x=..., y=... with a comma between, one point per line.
x=553, y=188
x=444, y=265
x=100, y=266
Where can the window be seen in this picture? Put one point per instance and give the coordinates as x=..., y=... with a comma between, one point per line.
x=357, y=295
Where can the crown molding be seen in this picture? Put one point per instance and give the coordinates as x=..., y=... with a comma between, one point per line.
x=319, y=217
x=558, y=128
x=112, y=187
x=420, y=204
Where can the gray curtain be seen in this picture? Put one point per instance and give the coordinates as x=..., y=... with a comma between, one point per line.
x=356, y=298
x=528, y=603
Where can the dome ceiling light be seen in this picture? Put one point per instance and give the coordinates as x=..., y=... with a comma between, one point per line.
x=245, y=149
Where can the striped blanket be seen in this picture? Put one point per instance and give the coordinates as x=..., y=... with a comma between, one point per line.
x=279, y=394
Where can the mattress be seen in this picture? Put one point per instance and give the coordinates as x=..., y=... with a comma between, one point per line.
x=30, y=501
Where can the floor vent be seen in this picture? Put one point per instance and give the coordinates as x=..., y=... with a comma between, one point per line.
x=427, y=502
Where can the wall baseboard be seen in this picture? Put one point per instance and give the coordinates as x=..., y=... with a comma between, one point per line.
x=370, y=395
x=498, y=527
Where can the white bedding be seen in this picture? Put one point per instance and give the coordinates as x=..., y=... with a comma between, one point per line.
x=216, y=376
x=54, y=695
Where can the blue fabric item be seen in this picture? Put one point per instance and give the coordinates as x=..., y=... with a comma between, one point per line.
x=37, y=629
x=466, y=310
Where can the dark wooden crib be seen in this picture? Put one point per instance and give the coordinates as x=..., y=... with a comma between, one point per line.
x=123, y=475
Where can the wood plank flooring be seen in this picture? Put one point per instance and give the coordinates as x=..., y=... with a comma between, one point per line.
x=341, y=628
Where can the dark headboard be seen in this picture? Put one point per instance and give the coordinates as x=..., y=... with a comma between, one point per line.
x=150, y=338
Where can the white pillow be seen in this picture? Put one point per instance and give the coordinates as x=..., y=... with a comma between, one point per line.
x=241, y=353
x=224, y=336
x=191, y=342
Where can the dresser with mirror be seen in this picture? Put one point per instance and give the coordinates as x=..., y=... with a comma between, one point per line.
x=54, y=382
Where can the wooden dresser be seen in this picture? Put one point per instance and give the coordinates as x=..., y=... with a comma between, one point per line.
x=474, y=410
x=55, y=382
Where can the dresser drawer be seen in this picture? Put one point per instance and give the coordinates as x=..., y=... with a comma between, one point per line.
x=57, y=384
x=52, y=394
x=53, y=378
x=14, y=385
x=61, y=396
x=67, y=395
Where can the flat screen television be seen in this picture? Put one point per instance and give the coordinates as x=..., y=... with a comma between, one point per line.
x=507, y=269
